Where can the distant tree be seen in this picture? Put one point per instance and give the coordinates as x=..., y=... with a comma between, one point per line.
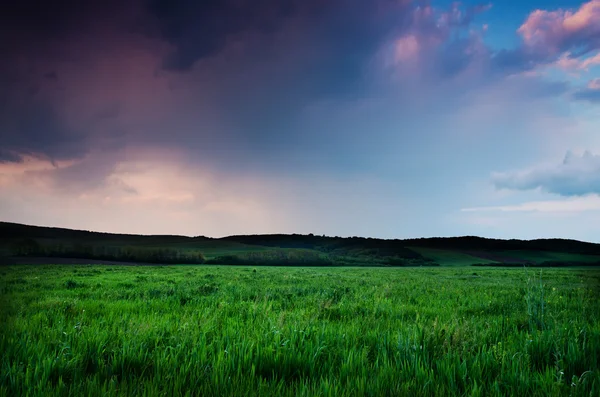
x=27, y=247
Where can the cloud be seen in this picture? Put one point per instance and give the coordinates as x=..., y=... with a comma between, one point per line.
x=570, y=205
x=241, y=116
x=141, y=192
x=591, y=93
x=239, y=76
x=76, y=79
x=202, y=30
x=9, y=156
x=40, y=130
x=95, y=77
x=594, y=84
x=575, y=176
x=562, y=37
x=153, y=191
x=569, y=63
x=553, y=32
x=31, y=171
x=437, y=44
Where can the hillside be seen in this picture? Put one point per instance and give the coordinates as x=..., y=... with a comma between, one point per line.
x=280, y=249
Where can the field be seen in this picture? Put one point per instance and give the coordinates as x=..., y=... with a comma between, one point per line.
x=223, y=330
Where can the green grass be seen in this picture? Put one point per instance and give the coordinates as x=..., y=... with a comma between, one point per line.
x=218, y=330
x=543, y=256
x=450, y=258
x=457, y=258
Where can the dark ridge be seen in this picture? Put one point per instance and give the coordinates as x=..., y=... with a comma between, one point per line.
x=334, y=245
x=462, y=243
x=488, y=244
x=356, y=245
x=17, y=230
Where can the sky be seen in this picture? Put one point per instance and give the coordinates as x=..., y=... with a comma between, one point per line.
x=378, y=118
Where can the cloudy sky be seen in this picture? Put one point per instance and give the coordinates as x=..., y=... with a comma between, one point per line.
x=383, y=118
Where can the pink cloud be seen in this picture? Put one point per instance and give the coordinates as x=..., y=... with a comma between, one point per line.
x=592, y=61
x=154, y=191
x=553, y=32
x=587, y=16
x=407, y=48
x=568, y=63
x=30, y=171
x=591, y=93
x=429, y=47
x=145, y=191
x=594, y=84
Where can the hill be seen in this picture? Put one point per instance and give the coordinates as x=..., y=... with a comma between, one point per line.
x=17, y=240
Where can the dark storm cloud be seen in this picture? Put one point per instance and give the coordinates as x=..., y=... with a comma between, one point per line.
x=47, y=19
x=41, y=44
x=40, y=131
x=43, y=18
x=30, y=125
x=320, y=49
x=263, y=63
x=8, y=156
x=200, y=30
x=44, y=27
x=302, y=52
x=51, y=76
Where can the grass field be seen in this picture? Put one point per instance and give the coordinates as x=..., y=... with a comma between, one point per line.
x=216, y=330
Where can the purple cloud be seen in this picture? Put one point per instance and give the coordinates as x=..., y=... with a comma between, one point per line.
x=553, y=32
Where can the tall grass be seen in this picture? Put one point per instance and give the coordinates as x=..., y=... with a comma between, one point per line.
x=225, y=330
x=535, y=302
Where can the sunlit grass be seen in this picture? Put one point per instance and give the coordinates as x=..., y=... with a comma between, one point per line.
x=216, y=330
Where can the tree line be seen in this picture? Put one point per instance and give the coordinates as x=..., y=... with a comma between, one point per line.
x=30, y=247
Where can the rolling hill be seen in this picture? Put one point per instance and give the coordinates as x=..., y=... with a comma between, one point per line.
x=18, y=240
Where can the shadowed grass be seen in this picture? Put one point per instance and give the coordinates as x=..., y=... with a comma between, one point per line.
x=450, y=258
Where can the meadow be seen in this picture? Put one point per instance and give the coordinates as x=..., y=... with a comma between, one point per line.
x=325, y=331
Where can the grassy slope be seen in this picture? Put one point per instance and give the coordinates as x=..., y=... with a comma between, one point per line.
x=214, y=331
x=541, y=256
x=450, y=258
x=456, y=258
